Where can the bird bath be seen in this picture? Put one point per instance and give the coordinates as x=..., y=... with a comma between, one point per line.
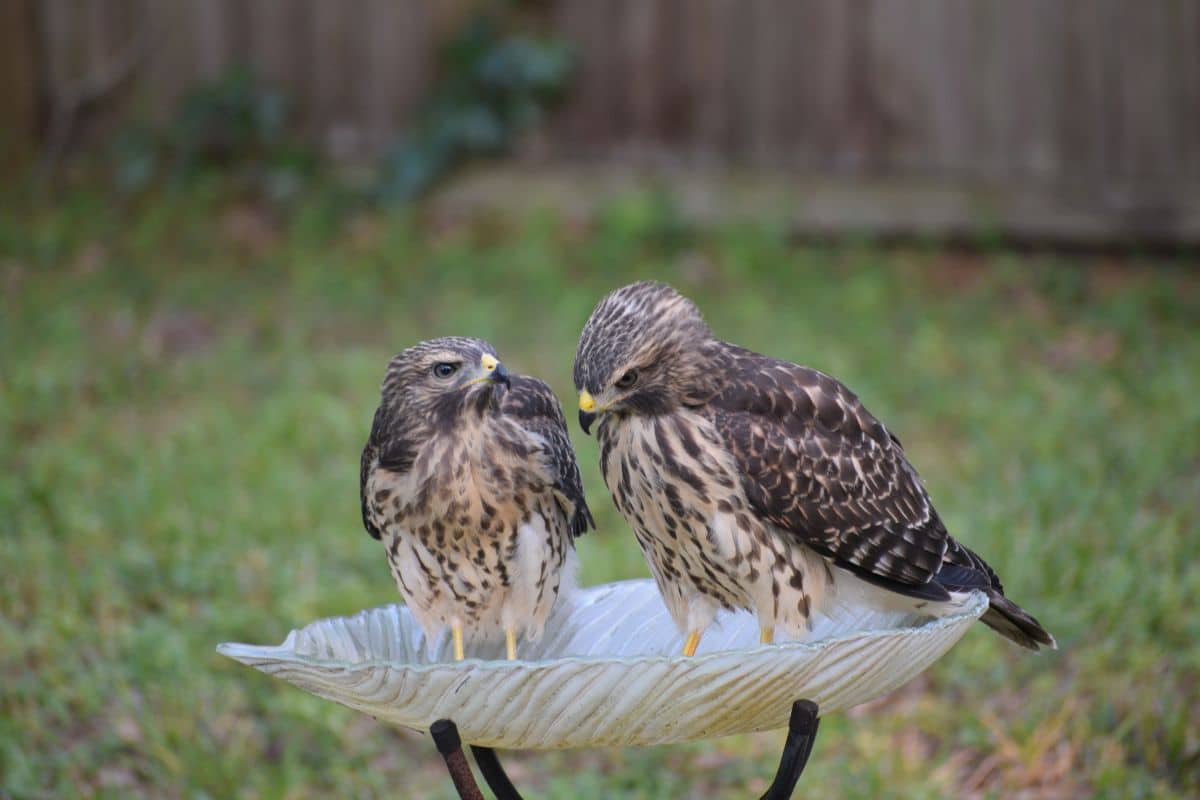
x=608, y=671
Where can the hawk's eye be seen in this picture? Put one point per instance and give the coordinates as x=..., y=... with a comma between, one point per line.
x=628, y=379
x=444, y=369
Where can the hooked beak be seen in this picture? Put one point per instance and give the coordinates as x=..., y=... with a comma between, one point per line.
x=587, y=411
x=494, y=370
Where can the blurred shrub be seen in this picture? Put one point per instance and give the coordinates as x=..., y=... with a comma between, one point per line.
x=232, y=124
x=494, y=86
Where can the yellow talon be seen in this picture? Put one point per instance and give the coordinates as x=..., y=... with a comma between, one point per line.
x=766, y=635
x=693, y=641
x=510, y=643
x=457, y=631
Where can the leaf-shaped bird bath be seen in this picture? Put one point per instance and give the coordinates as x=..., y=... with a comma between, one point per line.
x=608, y=671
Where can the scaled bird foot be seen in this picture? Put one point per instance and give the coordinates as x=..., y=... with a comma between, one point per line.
x=510, y=643
x=457, y=630
x=766, y=635
x=693, y=641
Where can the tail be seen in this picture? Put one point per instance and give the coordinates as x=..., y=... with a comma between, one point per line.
x=1014, y=623
x=964, y=570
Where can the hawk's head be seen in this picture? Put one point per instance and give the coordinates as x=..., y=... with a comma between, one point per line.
x=433, y=383
x=643, y=350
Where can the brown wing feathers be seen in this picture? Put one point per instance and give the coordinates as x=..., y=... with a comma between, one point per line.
x=385, y=449
x=815, y=463
x=533, y=402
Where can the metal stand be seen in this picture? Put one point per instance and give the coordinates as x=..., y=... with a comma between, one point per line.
x=445, y=736
x=802, y=733
x=497, y=779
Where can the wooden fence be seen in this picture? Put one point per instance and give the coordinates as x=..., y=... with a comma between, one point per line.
x=1092, y=106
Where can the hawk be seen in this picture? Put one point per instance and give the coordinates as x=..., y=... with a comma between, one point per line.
x=469, y=479
x=754, y=483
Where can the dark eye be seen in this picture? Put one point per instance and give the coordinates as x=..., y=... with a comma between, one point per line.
x=628, y=379
x=444, y=369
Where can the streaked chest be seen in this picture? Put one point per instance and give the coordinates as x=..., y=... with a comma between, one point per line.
x=676, y=483
x=481, y=479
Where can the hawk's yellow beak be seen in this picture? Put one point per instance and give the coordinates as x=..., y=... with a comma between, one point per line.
x=587, y=411
x=493, y=370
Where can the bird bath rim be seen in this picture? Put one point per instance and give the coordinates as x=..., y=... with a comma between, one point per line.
x=237, y=650
x=377, y=662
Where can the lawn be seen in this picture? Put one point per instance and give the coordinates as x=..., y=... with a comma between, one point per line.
x=186, y=382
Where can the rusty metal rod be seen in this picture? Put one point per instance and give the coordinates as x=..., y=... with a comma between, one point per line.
x=449, y=744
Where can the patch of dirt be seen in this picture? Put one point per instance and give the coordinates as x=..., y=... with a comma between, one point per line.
x=12, y=276
x=91, y=258
x=957, y=270
x=177, y=333
x=364, y=233
x=250, y=228
x=1081, y=347
x=1109, y=276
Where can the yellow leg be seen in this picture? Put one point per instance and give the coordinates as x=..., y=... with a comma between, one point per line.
x=457, y=631
x=766, y=635
x=510, y=643
x=693, y=641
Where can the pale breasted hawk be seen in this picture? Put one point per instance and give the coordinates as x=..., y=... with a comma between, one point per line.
x=753, y=483
x=470, y=480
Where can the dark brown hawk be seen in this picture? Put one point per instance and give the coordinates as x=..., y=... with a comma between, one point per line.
x=753, y=483
x=470, y=480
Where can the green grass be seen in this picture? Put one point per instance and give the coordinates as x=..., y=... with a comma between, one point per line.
x=185, y=386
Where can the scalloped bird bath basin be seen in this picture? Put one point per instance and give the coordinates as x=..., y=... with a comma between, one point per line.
x=608, y=671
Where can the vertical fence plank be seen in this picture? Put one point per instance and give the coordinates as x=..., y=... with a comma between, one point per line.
x=64, y=46
x=1185, y=52
x=1085, y=78
x=400, y=50
x=711, y=55
x=18, y=83
x=210, y=46
x=676, y=102
x=336, y=76
x=641, y=76
x=1145, y=120
x=595, y=117
x=740, y=27
x=835, y=41
x=1025, y=110
x=276, y=44
x=892, y=102
x=169, y=69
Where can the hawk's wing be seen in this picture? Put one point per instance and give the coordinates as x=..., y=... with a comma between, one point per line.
x=532, y=403
x=385, y=448
x=815, y=463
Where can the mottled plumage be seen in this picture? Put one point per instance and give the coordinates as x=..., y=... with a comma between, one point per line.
x=754, y=483
x=470, y=480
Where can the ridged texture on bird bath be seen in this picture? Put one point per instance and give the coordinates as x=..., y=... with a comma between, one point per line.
x=608, y=671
